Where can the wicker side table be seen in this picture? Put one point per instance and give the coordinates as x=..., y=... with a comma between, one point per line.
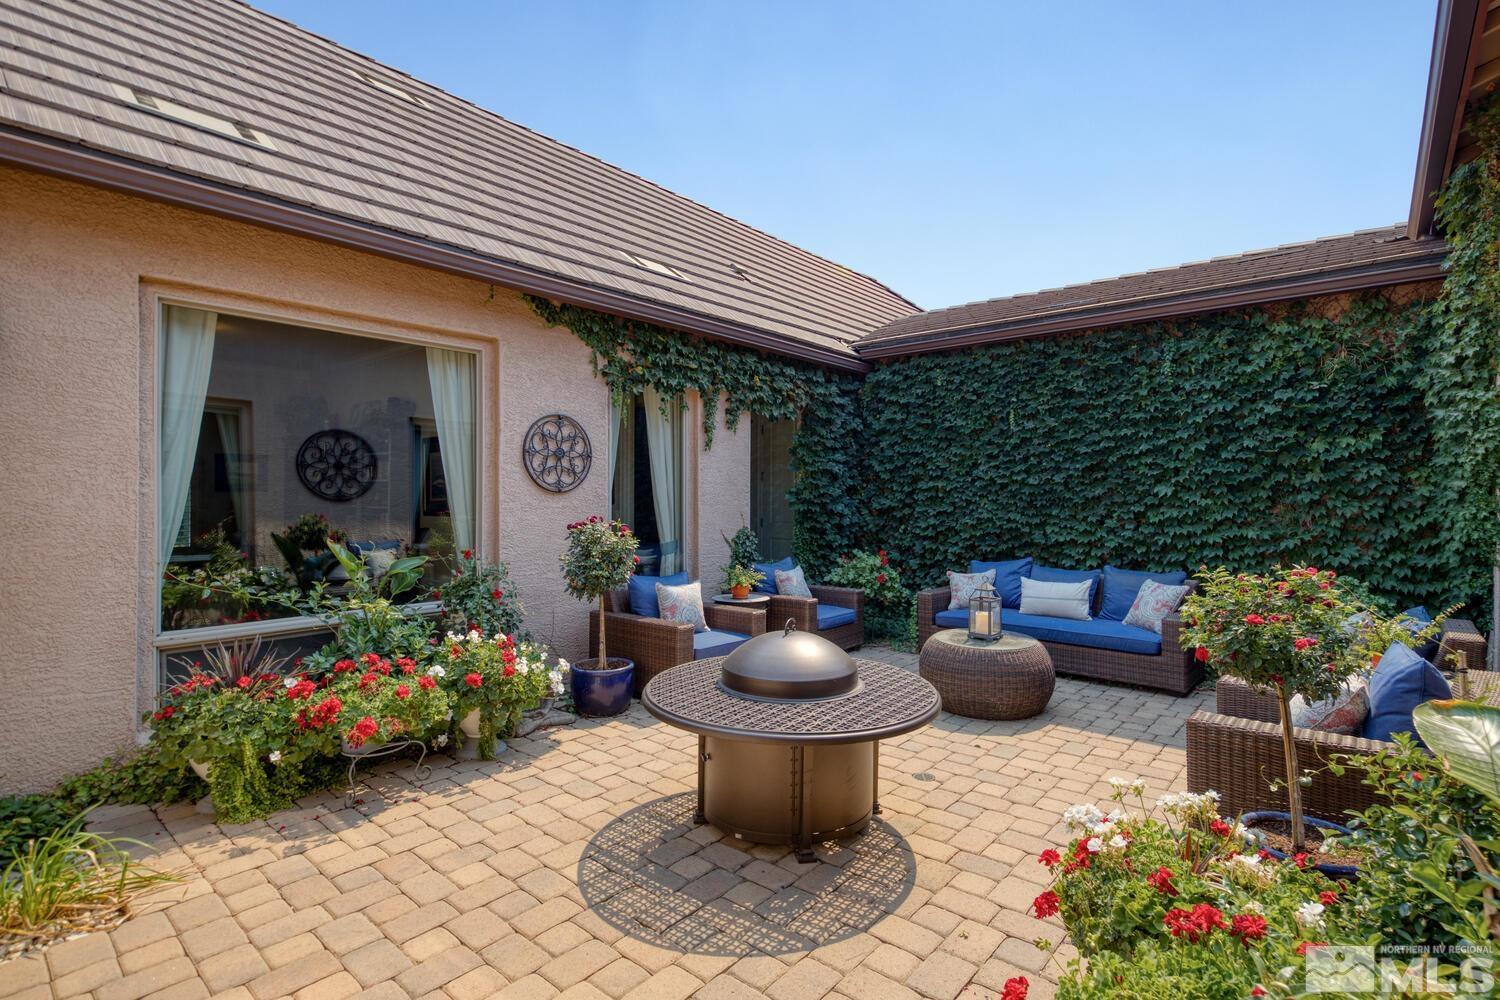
x=1010, y=678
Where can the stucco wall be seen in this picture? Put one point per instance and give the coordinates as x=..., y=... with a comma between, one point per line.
x=81, y=270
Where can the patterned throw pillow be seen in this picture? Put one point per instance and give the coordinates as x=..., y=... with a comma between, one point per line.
x=791, y=583
x=962, y=586
x=682, y=603
x=1153, y=603
x=1343, y=713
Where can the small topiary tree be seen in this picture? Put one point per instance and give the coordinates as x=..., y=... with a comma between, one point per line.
x=600, y=557
x=1288, y=631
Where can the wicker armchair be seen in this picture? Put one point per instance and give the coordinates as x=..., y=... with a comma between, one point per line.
x=804, y=611
x=1173, y=669
x=655, y=643
x=1236, y=750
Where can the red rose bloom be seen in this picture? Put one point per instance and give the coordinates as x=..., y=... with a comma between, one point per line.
x=1248, y=927
x=1046, y=904
x=1161, y=881
x=1201, y=654
x=1254, y=620
x=497, y=594
x=1304, y=643
x=1049, y=858
x=1015, y=988
x=473, y=680
x=426, y=683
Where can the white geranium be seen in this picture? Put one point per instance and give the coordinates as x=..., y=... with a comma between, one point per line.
x=1310, y=914
x=275, y=756
x=1083, y=816
x=440, y=740
x=1118, y=842
x=1095, y=845
x=289, y=682
x=436, y=671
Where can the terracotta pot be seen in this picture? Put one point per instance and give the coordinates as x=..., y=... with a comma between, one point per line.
x=741, y=592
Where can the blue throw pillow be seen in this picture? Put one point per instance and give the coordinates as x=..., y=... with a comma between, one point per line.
x=643, y=593
x=1419, y=618
x=768, y=585
x=1401, y=682
x=1007, y=578
x=1121, y=586
x=1051, y=574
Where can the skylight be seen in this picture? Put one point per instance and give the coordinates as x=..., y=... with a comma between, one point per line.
x=380, y=83
x=192, y=116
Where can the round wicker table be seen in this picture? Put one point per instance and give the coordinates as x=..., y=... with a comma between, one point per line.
x=1010, y=678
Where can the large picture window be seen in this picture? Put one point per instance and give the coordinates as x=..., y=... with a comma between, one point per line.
x=273, y=437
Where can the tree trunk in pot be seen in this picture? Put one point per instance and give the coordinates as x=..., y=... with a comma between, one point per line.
x=603, y=659
x=1293, y=786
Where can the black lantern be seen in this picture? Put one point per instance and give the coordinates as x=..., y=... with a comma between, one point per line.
x=984, y=614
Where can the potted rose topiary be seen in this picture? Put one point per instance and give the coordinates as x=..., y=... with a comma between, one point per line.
x=492, y=682
x=1287, y=632
x=600, y=558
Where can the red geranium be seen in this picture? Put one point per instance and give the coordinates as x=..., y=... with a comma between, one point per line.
x=1254, y=620
x=473, y=680
x=1161, y=881
x=302, y=689
x=1049, y=857
x=1328, y=897
x=362, y=731
x=1015, y=988
x=1046, y=904
x=1248, y=927
x=344, y=666
x=426, y=683
x=1201, y=654
x=1306, y=946
x=1220, y=828
x=322, y=714
x=402, y=691
x=1194, y=924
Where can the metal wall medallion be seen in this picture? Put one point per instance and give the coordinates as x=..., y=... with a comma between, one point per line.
x=557, y=453
x=336, y=465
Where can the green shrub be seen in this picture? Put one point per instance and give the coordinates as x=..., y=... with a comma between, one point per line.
x=890, y=609
x=480, y=595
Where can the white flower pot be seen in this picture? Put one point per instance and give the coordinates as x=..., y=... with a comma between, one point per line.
x=470, y=724
x=201, y=770
x=469, y=750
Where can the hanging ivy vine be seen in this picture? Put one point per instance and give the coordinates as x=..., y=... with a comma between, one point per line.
x=631, y=356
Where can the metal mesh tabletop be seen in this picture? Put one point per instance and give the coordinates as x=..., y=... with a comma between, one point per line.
x=889, y=701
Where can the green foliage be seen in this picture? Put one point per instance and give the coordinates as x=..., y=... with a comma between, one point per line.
x=890, y=610
x=1467, y=738
x=744, y=547
x=740, y=575
x=600, y=557
x=1242, y=439
x=631, y=356
x=498, y=678
x=480, y=594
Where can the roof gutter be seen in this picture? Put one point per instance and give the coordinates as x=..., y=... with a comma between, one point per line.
x=78, y=163
x=1410, y=269
x=1455, y=41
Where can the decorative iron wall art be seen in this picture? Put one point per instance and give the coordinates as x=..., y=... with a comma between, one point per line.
x=336, y=465
x=557, y=453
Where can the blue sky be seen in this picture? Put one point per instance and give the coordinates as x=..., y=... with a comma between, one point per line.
x=957, y=151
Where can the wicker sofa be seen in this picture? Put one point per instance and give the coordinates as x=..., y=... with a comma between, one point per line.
x=656, y=644
x=1172, y=669
x=1236, y=749
x=825, y=612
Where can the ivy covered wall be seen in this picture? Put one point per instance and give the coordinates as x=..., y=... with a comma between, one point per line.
x=1303, y=433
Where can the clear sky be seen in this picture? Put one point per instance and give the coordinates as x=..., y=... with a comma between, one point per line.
x=957, y=151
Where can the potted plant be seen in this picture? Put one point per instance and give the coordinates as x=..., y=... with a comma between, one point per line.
x=600, y=557
x=492, y=682
x=384, y=700
x=739, y=579
x=1287, y=632
x=480, y=596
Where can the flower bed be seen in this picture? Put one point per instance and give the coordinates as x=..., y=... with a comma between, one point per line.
x=498, y=678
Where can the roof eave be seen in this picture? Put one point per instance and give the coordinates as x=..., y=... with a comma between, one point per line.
x=1405, y=271
x=80, y=163
x=1456, y=37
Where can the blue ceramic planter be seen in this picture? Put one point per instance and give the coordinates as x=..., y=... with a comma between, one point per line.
x=602, y=692
x=1249, y=819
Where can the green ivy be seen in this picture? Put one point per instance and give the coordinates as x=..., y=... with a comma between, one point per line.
x=631, y=356
x=1298, y=434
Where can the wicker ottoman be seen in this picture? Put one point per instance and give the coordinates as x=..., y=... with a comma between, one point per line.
x=1010, y=678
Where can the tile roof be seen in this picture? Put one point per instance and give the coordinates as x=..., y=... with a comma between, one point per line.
x=1336, y=263
x=401, y=156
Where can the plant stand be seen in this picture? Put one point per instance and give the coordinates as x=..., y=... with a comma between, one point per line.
x=421, y=772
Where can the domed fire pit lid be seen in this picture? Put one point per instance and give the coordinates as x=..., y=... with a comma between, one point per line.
x=788, y=665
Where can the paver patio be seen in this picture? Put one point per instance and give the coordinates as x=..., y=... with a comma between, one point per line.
x=571, y=867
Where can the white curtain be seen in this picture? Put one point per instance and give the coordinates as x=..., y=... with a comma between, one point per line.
x=622, y=458
x=664, y=441
x=185, y=345
x=451, y=376
x=229, y=439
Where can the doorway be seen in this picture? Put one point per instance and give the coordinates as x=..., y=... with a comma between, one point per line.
x=771, y=479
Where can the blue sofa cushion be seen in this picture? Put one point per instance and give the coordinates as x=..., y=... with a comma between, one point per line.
x=716, y=643
x=1121, y=586
x=1051, y=574
x=1008, y=576
x=832, y=616
x=1420, y=618
x=1401, y=682
x=1095, y=633
x=643, y=592
x=768, y=585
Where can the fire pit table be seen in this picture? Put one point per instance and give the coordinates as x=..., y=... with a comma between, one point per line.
x=789, y=729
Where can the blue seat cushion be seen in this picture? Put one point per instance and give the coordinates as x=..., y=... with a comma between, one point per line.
x=768, y=585
x=643, y=592
x=716, y=643
x=1095, y=633
x=1401, y=682
x=1051, y=574
x=1008, y=576
x=832, y=616
x=1121, y=586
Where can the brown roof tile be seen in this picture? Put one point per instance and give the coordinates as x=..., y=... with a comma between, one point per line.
x=429, y=166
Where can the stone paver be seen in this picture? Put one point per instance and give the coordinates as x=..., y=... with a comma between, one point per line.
x=571, y=868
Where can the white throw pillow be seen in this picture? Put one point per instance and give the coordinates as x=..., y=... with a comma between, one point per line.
x=1153, y=602
x=682, y=602
x=1344, y=713
x=1056, y=600
x=961, y=587
x=792, y=583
